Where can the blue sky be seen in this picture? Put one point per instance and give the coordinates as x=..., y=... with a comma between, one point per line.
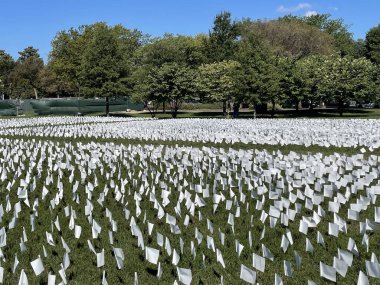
x=35, y=22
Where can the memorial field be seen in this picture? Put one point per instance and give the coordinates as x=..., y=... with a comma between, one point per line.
x=99, y=200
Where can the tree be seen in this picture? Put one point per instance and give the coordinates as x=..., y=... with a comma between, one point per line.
x=74, y=52
x=169, y=50
x=336, y=28
x=310, y=74
x=372, y=44
x=347, y=79
x=6, y=65
x=263, y=76
x=53, y=85
x=222, y=41
x=184, y=50
x=172, y=83
x=24, y=78
x=288, y=38
x=220, y=82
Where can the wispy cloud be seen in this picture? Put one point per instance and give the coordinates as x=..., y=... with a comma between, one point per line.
x=311, y=13
x=299, y=7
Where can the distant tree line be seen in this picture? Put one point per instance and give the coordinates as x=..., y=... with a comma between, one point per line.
x=291, y=59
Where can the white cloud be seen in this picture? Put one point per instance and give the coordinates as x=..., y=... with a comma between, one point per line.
x=311, y=13
x=300, y=6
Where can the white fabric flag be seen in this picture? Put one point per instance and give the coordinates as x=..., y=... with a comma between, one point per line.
x=327, y=271
x=267, y=253
x=159, y=271
x=373, y=269
x=136, y=282
x=23, y=279
x=37, y=266
x=152, y=254
x=176, y=258
x=1, y=274
x=377, y=214
x=15, y=264
x=104, y=280
x=49, y=238
x=346, y=256
x=119, y=256
x=248, y=275
x=333, y=229
x=309, y=246
x=77, y=231
x=277, y=280
x=238, y=247
x=219, y=258
x=288, y=268
x=258, y=262
x=362, y=279
x=184, y=275
x=100, y=259
x=51, y=279
x=340, y=266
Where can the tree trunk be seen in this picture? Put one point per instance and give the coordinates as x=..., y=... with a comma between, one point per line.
x=340, y=107
x=35, y=93
x=164, y=107
x=311, y=105
x=236, y=110
x=107, y=106
x=297, y=105
x=273, y=106
x=225, y=109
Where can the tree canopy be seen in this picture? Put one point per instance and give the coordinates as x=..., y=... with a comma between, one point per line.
x=293, y=59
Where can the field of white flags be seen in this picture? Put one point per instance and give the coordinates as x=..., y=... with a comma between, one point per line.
x=350, y=133
x=92, y=200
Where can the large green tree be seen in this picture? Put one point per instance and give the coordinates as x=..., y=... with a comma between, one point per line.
x=288, y=38
x=6, y=65
x=169, y=51
x=24, y=78
x=347, y=79
x=372, y=44
x=336, y=28
x=78, y=55
x=309, y=73
x=220, y=82
x=222, y=41
x=172, y=83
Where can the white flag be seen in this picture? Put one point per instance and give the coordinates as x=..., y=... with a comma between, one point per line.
x=248, y=275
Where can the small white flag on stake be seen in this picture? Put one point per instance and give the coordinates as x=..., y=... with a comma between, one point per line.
x=248, y=275
x=327, y=271
x=23, y=279
x=152, y=254
x=37, y=266
x=362, y=279
x=100, y=259
x=184, y=275
x=258, y=262
x=51, y=279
